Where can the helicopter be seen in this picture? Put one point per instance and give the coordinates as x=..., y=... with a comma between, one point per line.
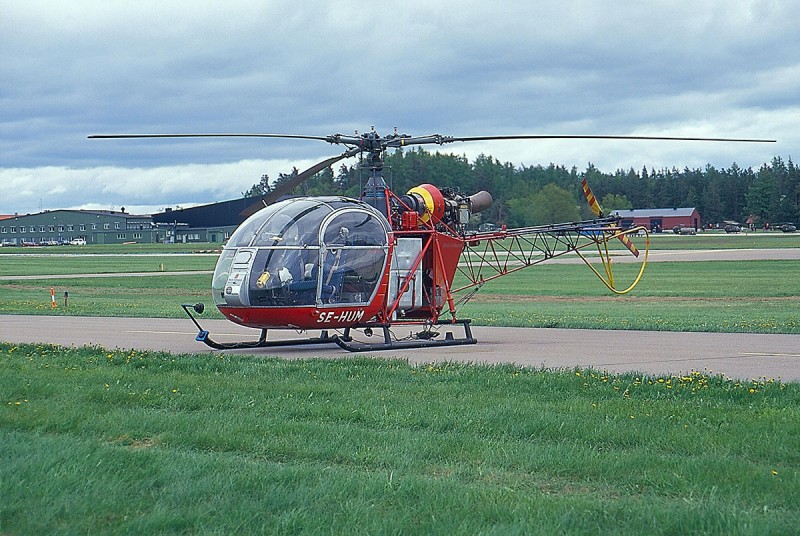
x=383, y=262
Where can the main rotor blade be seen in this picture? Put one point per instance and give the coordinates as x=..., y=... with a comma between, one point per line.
x=448, y=139
x=209, y=135
x=294, y=182
x=399, y=141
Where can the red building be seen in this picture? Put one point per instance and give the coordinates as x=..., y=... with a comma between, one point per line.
x=659, y=219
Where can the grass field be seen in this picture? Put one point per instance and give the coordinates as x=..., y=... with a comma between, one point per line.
x=717, y=296
x=721, y=240
x=143, y=249
x=55, y=264
x=721, y=296
x=129, y=442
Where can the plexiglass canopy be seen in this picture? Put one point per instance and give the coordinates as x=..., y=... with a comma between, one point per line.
x=304, y=251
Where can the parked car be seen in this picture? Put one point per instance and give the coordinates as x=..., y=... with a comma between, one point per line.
x=78, y=242
x=788, y=228
x=684, y=230
x=732, y=228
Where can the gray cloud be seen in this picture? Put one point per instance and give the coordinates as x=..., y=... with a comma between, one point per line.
x=75, y=68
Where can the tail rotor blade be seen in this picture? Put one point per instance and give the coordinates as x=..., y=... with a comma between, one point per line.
x=591, y=199
x=598, y=211
x=628, y=244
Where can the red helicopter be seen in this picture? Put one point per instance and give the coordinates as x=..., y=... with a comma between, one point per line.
x=386, y=260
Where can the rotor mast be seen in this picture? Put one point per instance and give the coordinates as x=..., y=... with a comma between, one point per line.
x=375, y=192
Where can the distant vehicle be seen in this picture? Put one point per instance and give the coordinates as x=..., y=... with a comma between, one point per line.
x=732, y=228
x=684, y=230
x=78, y=242
x=788, y=228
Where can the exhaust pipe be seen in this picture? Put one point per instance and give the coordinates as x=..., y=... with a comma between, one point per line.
x=480, y=201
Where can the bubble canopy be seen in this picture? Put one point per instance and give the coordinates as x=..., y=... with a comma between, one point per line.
x=304, y=251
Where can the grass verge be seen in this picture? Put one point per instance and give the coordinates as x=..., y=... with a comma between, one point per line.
x=140, y=442
x=715, y=296
x=104, y=264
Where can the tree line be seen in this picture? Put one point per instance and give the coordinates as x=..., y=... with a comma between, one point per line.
x=533, y=195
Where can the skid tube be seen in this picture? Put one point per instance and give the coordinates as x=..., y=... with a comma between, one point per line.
x=347, y=343
x=262, y=342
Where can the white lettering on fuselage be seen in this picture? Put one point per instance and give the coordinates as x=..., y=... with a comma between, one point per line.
x=340, y=316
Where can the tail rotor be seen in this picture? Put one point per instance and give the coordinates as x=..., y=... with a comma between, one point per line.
x=624, y=236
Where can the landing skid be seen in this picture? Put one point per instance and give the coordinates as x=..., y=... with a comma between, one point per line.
x=424, y=339
x=420, y=341
x=262, y=342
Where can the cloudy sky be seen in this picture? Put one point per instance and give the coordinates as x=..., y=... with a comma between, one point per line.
x=727, y=68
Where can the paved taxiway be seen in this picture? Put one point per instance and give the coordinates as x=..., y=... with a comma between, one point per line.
x=743, y=356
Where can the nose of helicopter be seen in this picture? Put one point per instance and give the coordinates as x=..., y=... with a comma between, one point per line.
x=322, y=255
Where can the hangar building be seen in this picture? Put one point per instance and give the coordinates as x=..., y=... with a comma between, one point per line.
x=94, y=226
x=658, y=219
x=205, y=223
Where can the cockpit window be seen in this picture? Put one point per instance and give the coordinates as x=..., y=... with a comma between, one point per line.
x=288, y=264
x=355, y=229
x=353, y=257
x=294, y=222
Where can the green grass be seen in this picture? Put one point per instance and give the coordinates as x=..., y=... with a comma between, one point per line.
x=719, y=296
x=721, y=240
x=157, y=296
x=715, y=296
x=699, y=315
x=708, y=279
x=125, y=441
x=113, y=249
x=104, y=264
x=98, y=441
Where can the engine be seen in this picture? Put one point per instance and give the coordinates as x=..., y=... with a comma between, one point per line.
x=440, y=206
